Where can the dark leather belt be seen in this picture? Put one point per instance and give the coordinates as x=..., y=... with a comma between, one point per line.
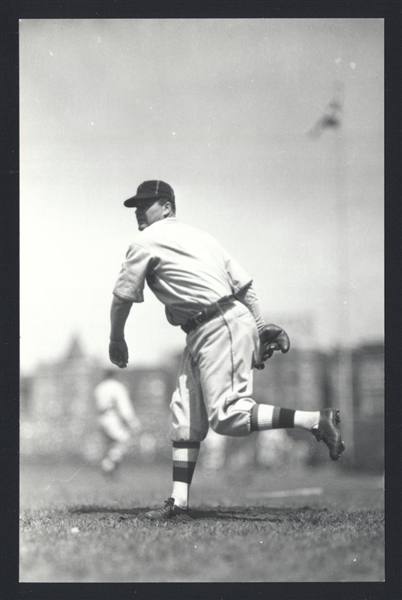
x=208, y=313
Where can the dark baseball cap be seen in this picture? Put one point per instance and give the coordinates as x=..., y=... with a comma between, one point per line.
x=151, y=190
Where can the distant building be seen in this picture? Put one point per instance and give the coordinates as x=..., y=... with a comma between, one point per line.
x=297, y=380
x=369, y=381
x=369, y=409
x=58, y=416
x=62, y=388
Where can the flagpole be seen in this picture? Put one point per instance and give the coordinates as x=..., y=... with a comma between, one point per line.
x=331, y=119
x=345, y=357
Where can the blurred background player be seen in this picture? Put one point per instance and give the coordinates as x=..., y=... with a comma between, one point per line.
x=117, y=420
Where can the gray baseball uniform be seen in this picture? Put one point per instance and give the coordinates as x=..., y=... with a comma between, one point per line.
x=188, y=270
x=208, y=294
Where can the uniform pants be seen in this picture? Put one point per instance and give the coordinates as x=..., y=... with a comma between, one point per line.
x=215, y=381
x=117, y=434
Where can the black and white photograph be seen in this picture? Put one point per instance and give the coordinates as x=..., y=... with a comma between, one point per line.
x=201, y=212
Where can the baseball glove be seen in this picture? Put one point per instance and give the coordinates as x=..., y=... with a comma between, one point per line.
x=272, y=339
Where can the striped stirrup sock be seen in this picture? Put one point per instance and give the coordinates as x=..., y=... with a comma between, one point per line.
x=265, y=416
x=185, y=455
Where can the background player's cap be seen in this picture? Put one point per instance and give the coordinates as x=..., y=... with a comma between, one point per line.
x=151, y=190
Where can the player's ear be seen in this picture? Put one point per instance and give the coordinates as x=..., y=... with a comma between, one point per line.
x=167, y=209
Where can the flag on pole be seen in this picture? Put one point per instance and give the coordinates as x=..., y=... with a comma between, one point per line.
x=332, y=114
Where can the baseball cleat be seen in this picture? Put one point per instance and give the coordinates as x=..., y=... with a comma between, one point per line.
x=168, y=511
x=328, y=431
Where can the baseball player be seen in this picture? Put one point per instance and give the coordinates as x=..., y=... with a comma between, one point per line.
x=208, y=294
x=117, y=420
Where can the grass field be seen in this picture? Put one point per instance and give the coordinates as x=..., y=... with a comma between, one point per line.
x=320, y=525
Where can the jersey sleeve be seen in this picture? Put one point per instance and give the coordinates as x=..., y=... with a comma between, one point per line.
x=238, y=277
x=134, y=271
x=249, y=298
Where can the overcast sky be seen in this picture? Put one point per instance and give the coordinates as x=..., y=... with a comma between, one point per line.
x=220, y=109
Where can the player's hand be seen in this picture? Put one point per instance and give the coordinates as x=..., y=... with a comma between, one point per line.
x=118, y=353
x=272, y=339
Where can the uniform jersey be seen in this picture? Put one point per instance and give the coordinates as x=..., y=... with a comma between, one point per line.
x=186, y=269
x=111, y=395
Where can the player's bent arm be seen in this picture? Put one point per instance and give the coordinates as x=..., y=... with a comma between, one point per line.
x=272, y=337
x=248, y=297
x=119, y=312
x=118, y=351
